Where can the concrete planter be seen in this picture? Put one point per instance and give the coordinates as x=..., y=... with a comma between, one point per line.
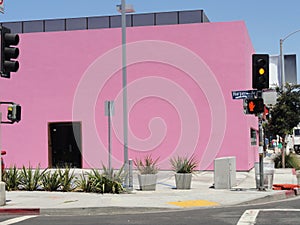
x=2, y=194
x=183, y=180
x=147, y=182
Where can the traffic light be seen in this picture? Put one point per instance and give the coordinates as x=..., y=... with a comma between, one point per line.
x=9, y=52
x=254, y=106
x=14, y=113
x=260, y=71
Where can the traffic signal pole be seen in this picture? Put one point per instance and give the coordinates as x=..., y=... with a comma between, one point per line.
x=260, y=81
x=2, y=184
x=260, y=149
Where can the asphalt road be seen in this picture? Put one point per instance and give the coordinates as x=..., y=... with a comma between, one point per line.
x=282, y=212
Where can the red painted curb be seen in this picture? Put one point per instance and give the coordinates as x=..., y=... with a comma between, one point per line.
x=290, y=193
x=20, y=211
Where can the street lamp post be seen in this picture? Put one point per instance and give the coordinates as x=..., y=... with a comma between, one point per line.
x=283, y=77
x=125, y=9
x=124, y=82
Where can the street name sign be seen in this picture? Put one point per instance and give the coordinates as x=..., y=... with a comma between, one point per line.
x=244, y=94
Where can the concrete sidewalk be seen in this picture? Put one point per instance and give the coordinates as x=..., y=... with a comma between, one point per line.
x=165, y=197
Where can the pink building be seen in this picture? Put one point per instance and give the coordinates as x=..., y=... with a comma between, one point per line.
x=180, y=79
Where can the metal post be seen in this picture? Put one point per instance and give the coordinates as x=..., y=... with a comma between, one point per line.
x=0, y=148
x=282, y=87
x=282, y=64
x=261, y=156
x=130, y=187
x=260, y=149
x=109, y=134
x=124, y=79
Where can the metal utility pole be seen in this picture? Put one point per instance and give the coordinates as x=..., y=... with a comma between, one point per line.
x=124, y=82
x=260, y=148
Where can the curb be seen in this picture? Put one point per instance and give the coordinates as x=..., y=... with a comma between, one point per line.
x=281, y=195
x=103, y=211
x=84, y=211
x=20, y=211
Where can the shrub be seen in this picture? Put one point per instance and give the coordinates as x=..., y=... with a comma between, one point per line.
x=30, y=180
x=51, y=181
x=107, y=182
x=291, y=161
x=83, y=183
x=148, y=165
x=184, y=164
x=66, y=179
x=113, y=180
x=11, y=177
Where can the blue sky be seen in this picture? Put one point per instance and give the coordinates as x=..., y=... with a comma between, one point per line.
x=267, y=20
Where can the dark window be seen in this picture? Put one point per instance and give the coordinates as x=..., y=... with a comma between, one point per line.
x=166, y=18
x=55, y=25
x=115, y=21
x=143, y=19
x=33, y=26
x=76, y=24
x=98, y=22
x=190, y=17
x=297, y=132
x=253, y=136
x=15, y=27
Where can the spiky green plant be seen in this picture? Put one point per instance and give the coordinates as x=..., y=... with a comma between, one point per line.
x=97, y=183
x=184, y=164
x=30, y=179
x=67, y=179
x=113, y=180
x=83, y=183
x=51, y=181
x=148, y=165
x=11, y=177
x=291, y=161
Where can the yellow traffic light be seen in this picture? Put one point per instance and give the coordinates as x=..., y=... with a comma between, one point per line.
x=261, y=71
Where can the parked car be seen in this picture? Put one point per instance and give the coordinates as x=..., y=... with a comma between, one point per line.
x=3, y=152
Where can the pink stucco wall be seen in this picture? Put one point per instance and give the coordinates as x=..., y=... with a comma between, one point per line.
x=180, y=79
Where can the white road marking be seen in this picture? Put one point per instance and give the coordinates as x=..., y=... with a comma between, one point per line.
x=249, y=216
x=16, y=220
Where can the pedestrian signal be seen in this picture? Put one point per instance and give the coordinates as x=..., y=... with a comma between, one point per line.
x=254, y=106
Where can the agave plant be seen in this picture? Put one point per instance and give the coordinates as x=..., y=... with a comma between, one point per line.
x=96, y=179
x=113, y=180
x=148, y=165
x=66, y=178
x=11, y=177
x=30, y=179
x=83, y=183
x=184, y=164
x=51, y=181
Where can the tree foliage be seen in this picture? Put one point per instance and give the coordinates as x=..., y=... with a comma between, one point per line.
x=286, y=113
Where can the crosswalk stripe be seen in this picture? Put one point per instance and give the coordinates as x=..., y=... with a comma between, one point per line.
x=16, y=220
x=248, y=217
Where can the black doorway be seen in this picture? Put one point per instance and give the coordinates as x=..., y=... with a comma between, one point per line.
x=65, y=144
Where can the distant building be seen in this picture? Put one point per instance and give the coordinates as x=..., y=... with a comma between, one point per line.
x=290, y=68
